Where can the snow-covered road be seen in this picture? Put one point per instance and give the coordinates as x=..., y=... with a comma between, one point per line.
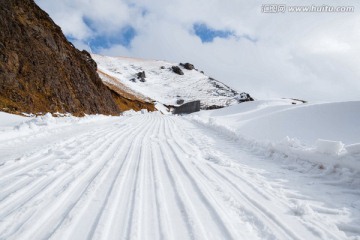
x=161, y=177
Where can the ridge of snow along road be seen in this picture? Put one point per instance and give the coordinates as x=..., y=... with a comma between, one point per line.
x=325, y=133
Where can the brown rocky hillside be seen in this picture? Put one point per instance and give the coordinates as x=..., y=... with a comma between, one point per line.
x=40, y=71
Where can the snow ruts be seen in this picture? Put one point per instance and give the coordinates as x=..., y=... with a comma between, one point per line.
x=140, y=177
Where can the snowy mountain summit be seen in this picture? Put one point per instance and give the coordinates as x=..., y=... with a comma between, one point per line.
x=167, y=83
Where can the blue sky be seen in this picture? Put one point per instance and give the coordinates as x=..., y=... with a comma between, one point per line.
x=126, y=34
x=123, y=37
x=207, y=34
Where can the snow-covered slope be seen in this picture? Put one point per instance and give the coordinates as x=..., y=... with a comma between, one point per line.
x=165, y=86
x=273, y=120
x=326, y=133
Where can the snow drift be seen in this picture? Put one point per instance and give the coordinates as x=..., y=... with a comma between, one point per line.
x=322, y=133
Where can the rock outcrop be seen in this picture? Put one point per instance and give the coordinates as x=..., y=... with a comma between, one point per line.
x=177, y=70
x=187, y=66
x=40, y=71
x=141, y=76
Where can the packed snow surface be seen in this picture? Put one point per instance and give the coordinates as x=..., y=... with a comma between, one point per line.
x=162, y=84
x=152, y=176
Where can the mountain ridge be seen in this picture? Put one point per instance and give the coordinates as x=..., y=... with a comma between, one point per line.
x=170, y=84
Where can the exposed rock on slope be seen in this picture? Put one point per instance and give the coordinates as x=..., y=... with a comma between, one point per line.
x=187, y=66
x=166, y=86
x=40, y=71
x=177, y=70
x=124, y=97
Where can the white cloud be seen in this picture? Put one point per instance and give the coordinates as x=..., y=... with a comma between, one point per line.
x=314, y=56
x=105, y=16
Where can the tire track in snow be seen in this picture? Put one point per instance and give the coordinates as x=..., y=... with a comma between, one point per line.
x=320, y=231
x=99, y=151
x=187, y=219
x=237, y=209
x=131, y=178
x=64, y=180
x=217, y=187
x=157, y=190
x=196, y=189
x=110, y=206
x=97, y=197
x=271, y=218
x=201, y=185
x=109, y=209
x=25, y=175
x=27, y=161
x=136, y=198
x=164, y=227
x=38, y=186
x=179, y=215
x=144, y=209
x=107, y=185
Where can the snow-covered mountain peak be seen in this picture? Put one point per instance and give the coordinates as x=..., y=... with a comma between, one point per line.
x=167, y=83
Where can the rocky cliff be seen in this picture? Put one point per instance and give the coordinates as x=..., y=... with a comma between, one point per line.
x=40, y=71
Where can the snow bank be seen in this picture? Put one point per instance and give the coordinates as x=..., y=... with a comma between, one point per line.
x=131, y=112
x=49, y=121
x=326, y=133
x=329, y=147
x=353, y=148
x=9, y=120
x=14, y=126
